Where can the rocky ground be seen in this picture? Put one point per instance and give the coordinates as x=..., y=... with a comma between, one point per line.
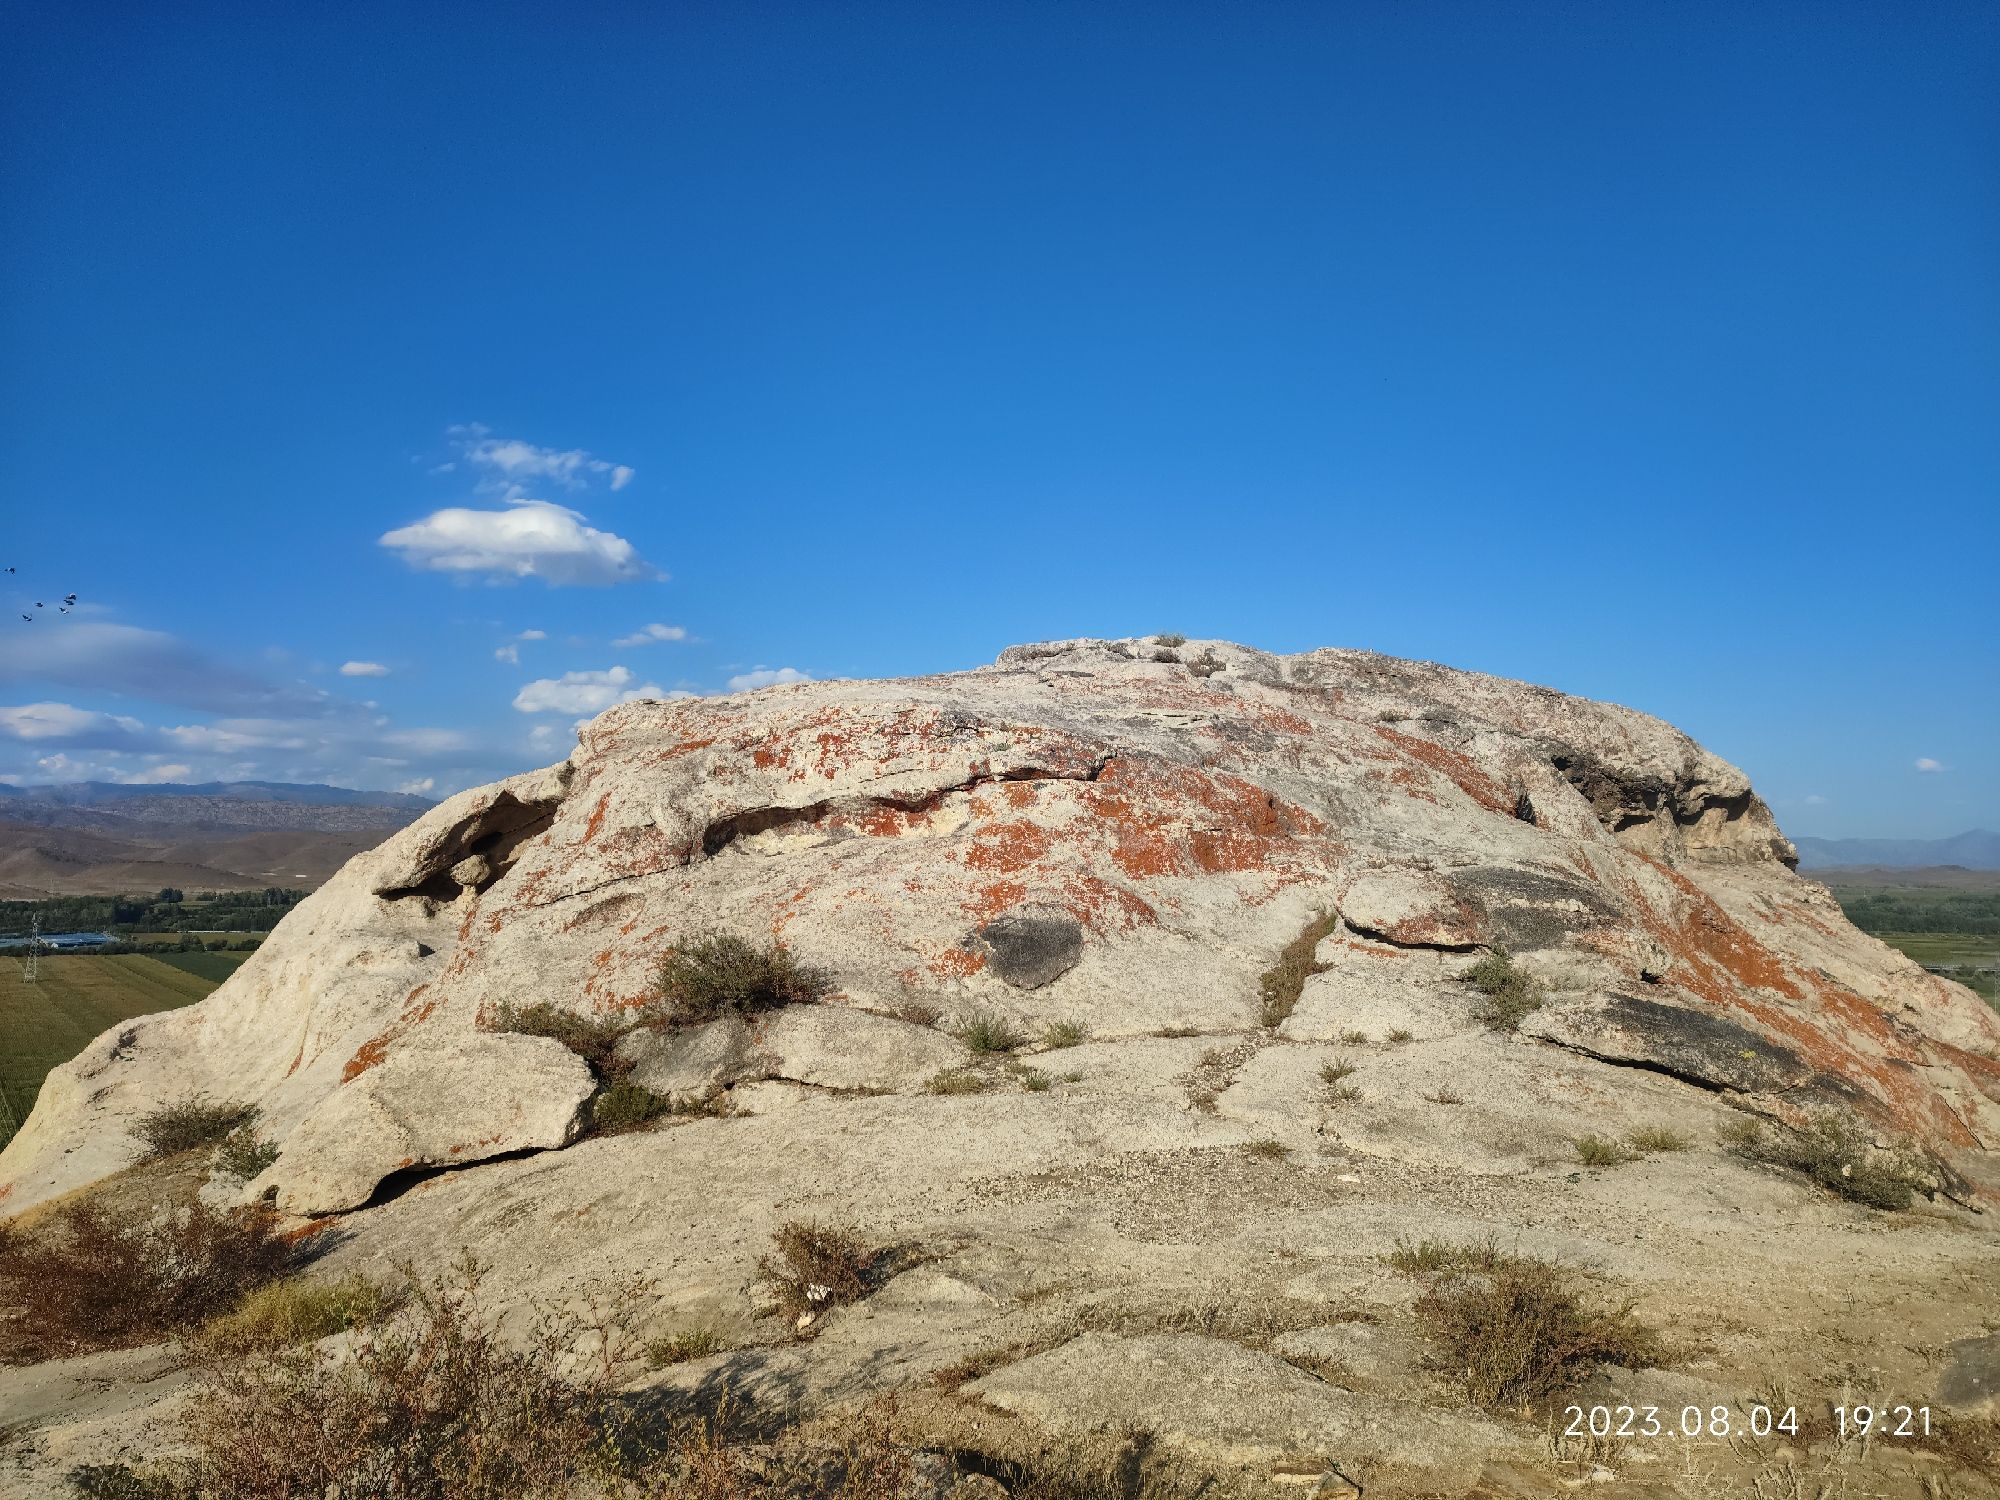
x=1181, y=1220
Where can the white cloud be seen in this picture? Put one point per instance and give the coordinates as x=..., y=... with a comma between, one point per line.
x=64, y=724
x=533, y=539
x=532, y=635
x=766, y=677
x=510, y=654
x=583, y=692
x=363, y=669
x=419, y=787
x=507, y=464
x=645, y=635
x=1814, y=799
x=1925, y=763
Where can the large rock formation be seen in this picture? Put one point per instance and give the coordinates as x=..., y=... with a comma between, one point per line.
x=1123, y=836
x=1116, y=835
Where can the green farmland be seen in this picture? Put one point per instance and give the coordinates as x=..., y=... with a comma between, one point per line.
x=74, y=1000
x=1947, y=919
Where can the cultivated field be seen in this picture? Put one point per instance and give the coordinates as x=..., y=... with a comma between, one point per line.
x=76, y=998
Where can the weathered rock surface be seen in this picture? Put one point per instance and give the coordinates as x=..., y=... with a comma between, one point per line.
x=1081, y=833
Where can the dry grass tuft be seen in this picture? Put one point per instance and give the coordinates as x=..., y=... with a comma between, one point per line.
x=1649, y=1139
x=960, y=1081
x=1059, y=1034
x=1596, y=1151
x=297, y=1310
x=1279, y=989
x=679, y=1348
x=984, y=1031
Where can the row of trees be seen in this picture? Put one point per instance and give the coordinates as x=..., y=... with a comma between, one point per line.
x=167, y=911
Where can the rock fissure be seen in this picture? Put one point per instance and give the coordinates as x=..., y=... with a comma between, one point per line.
x=723, y=832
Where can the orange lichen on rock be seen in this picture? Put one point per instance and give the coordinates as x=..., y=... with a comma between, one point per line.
x=368, y=1055
x=1454, y=767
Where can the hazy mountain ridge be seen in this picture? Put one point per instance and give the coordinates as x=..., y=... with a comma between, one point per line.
x=1976, y=849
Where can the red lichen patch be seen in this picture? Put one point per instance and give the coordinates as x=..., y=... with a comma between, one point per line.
x=413, y=1012
x=478, y=1145
x=1716, y=948
x=596, y=818
x=1173, y=820
x=1019, y=794
x=1004, y=848
x=995, y=900
x=368, y=1055
x=297, y=1060
x=957, y=963
x=1454, y=767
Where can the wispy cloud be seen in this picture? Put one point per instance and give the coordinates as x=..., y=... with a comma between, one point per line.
x=509, y=653
x=1925, y=763
x=149, y=664
x=507, y=465
x=532, y=539
x=766, y=677
x=646, y=635
x=584, y=692
x=363, y=669
x=55, y=724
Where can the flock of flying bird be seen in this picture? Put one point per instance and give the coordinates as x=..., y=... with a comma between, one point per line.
x=68, y=604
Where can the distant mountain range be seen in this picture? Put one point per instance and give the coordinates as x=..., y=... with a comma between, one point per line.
x=1977, y=850
x=101, y=838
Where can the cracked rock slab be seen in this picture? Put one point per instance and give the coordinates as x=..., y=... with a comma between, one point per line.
x=461, y=1101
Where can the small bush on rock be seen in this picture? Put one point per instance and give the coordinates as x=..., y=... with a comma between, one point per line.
x=817, y=1267
x=1511, y=1329
x=592, y=1038
x=625, y=1106
x=88, y=1281
x=1596, y=1151
x=1652, y=1138
x=243, y=1155
x=1511, y=993
x=188, y=1123
x=1835, y=1152
x=1060, y=1034
x=716, y=973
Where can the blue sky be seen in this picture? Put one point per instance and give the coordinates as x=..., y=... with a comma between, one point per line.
x=1651, y=351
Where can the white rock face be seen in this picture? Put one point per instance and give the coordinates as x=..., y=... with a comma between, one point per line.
x=1078, y=832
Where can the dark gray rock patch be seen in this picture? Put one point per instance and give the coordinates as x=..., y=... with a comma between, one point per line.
x=1030, y=947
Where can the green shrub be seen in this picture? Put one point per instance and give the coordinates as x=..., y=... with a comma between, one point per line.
x=1280, y=986
x=1401, y=1035
x=243, y=1156
x=1170, y=639
x=625, y=1106
x=717, y=973
x=1338, y=1069
x=592, y=1038
x=1430, y=1257
x=983, y=1031
x=193, y=1121
x=1834, y=1151
x=1511, y=993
